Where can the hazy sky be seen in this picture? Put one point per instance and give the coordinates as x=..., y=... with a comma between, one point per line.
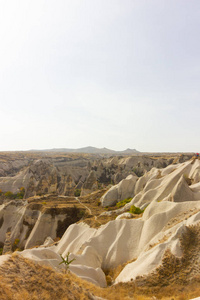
x=105, y=73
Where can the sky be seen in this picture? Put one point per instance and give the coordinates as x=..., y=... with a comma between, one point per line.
x=104, y=73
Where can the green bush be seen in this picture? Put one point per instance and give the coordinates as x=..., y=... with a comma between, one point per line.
x=123, y=202
x=20, y=195
x=136, y=210
x=9, y=195
x=77, y=192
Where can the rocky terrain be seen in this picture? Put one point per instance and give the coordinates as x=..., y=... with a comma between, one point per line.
x=62, y=173
x=140, y=235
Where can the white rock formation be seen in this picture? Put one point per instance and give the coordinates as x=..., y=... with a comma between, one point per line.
x=173, y=206
x=120, y=241
x=168, y=184
x=124, y=189
x=27, y=223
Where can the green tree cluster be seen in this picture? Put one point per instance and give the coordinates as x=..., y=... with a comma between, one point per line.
x=19, y=195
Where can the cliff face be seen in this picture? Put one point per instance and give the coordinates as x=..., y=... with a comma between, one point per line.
x=30, y=224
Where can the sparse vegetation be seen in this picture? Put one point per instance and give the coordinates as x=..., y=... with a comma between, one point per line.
x=20, y=195
x=136, y=210
x=10, y=195
x=123, y=202
x=15, y=245
x=174, y=270
x=159, y=175
x=172, y=279
x=77, y=192
x=44, y=283
x=187, y=179
x=66, y=261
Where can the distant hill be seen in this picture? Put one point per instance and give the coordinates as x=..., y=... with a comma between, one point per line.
x=91, y=150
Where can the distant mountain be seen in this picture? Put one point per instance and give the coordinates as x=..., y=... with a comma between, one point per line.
x=129, y=151
x=91, y=150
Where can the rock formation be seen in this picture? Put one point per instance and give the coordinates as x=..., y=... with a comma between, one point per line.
x=170, y=198
x=7, y=248
x=44, y=174
x=90, y=184
x=172, y=207
x=121, y=191
x=31, y=224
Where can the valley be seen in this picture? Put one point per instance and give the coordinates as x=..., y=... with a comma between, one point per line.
x=123, y=220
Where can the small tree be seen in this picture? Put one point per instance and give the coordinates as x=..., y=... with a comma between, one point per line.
x=66, y=261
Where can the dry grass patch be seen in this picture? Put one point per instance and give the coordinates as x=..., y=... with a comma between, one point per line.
x=21, y=278
x=176, y=276
x=27, y=280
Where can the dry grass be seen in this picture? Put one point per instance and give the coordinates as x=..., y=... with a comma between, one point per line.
x=159, y=175
x=87, y=203
x=21, y=278
x=111, y=274
x=176, y=276
x=180, y=217
x=55, y=201
x=27, y=280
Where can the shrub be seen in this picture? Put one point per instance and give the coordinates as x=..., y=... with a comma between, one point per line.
x=123, y=202
x=20, y=195
x=81, y=213
x=9, y=195
x=77, y=192
x=136, y=210
x=15, y=244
